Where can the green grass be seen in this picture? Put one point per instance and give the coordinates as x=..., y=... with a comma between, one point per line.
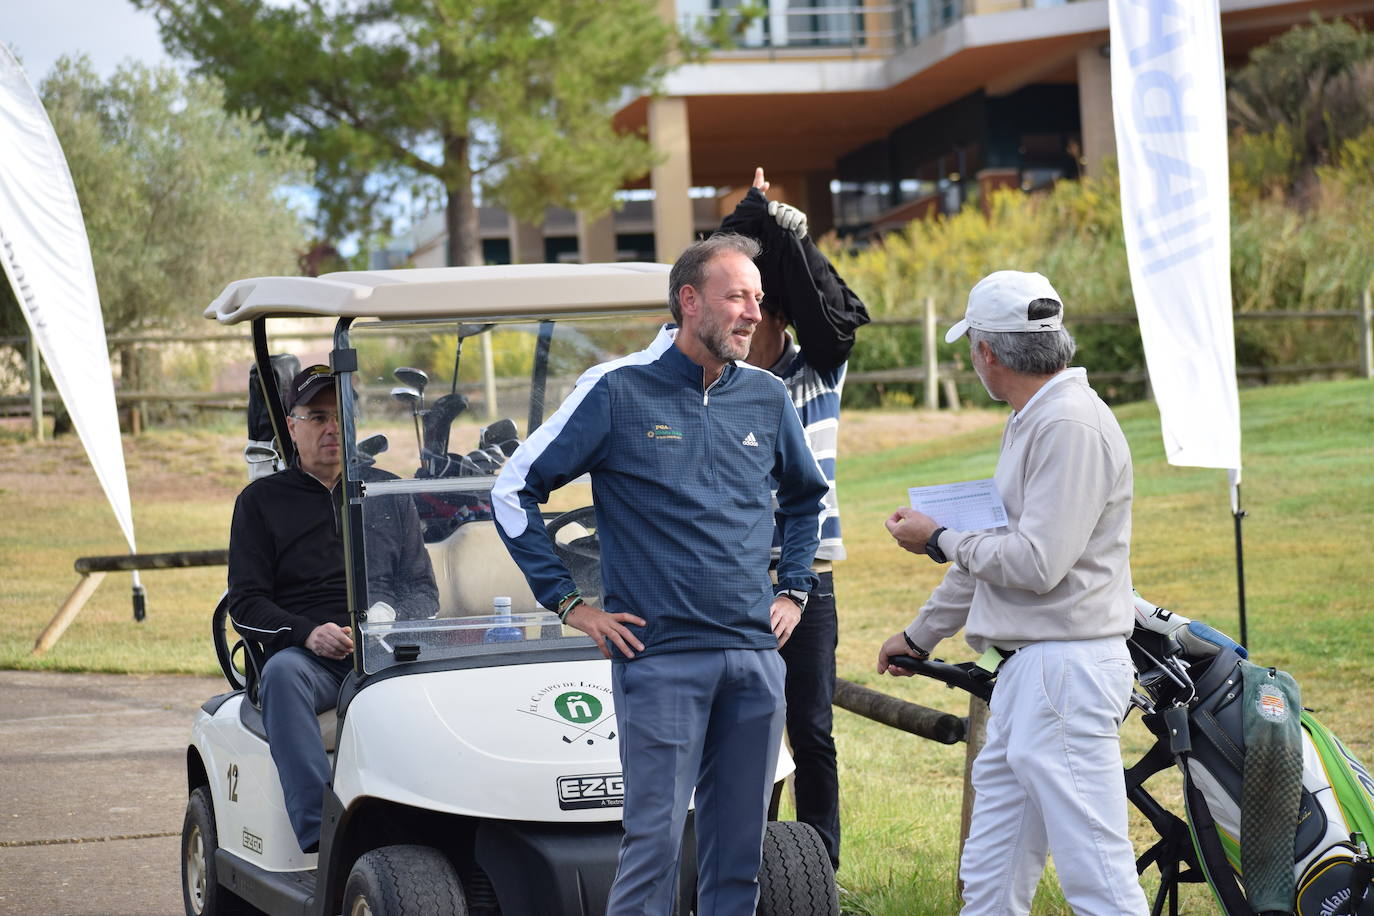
x=1308, y=488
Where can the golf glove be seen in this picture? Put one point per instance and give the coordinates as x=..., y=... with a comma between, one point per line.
x=788, y=217
x=381, y=612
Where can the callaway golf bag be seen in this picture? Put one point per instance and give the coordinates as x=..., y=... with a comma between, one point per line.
x=1278, y=813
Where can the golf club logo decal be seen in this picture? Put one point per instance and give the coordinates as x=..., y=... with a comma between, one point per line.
x=578, y=708
x=583, y=711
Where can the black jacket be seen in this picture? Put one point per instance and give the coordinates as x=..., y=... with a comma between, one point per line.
x=801, y=281
x=286, y=566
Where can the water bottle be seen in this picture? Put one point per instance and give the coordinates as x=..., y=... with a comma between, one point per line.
x=500, y=608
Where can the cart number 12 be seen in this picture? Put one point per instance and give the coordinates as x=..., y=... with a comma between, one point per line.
x=233, y=782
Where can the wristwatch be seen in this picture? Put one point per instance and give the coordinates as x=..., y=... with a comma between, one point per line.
x=933, y=546
x=795, y=594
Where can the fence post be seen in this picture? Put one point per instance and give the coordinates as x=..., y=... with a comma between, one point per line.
x=1366, y=336
x=976, y=735
x=489, y=375
x=35, y=389
x=932, y=379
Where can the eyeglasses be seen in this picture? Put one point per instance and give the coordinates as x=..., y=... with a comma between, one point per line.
x=318, y=417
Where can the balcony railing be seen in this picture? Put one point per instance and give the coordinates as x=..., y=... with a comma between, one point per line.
x=846, y=26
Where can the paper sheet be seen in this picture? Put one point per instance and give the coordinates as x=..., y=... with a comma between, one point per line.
x=969, y=505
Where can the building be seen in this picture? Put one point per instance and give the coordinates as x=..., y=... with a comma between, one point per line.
x=869, y=113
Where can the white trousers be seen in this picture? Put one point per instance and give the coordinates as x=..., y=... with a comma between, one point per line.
x=1050, y=780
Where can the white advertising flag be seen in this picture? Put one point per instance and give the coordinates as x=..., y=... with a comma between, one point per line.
x=45, y=257
x=1169, y=99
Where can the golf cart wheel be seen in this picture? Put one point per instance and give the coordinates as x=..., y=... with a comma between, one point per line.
x=796, y=878
x=404, y=881
x=200, y=888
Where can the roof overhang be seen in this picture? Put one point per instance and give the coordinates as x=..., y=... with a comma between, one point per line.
x=464, y=293
x=798, y=111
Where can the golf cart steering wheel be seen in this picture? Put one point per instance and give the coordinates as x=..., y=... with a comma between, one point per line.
x=582, y=555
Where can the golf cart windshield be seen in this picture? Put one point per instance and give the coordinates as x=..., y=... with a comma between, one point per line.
x=438, y=408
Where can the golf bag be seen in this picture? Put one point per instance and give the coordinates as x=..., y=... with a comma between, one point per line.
x=261, y=451
x=1278, y=813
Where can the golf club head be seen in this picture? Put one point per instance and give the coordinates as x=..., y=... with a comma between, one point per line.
x=407, y=395
x=497, y=433
x=373, y=445
x=412, y=377
x=481, y=461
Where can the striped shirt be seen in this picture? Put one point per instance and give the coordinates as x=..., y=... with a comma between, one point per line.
x=816, y=395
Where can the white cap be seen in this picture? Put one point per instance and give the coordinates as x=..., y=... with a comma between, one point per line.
x=1000, y=302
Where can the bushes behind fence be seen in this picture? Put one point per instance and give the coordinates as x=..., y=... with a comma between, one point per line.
x=1285, y=257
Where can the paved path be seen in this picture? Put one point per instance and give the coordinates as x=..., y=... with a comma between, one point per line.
x=93, y=790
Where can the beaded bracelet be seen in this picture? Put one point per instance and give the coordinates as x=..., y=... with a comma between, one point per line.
x=566, y=605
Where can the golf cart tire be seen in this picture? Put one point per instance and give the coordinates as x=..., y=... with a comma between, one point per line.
x=201, y=892
x=795, y=877
x=404, y=881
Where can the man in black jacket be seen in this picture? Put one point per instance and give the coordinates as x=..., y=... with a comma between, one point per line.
x=287, y=589
x=802, y=289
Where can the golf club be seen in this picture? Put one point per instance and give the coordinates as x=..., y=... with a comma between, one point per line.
x=414, y=378
x=408, y=395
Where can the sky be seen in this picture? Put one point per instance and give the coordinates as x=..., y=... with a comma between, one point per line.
x=108, y=31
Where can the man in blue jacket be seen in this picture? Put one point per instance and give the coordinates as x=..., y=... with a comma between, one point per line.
x=684, y=444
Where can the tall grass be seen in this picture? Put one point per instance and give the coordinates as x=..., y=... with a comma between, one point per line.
x=1284, y=258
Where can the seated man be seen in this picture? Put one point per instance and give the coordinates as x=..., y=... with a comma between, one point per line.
x=287, y=589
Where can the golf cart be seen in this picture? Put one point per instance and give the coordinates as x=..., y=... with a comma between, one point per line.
x=474, y=750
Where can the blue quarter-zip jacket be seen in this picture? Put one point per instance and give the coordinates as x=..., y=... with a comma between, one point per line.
x=681, y=478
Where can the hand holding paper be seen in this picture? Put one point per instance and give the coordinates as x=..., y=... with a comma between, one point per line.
x=970, y=505
x=911, y=529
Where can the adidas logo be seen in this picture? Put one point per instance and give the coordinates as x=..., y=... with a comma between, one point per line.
x=751, y=441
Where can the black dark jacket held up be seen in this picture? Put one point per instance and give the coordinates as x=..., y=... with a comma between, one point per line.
x=798, y=278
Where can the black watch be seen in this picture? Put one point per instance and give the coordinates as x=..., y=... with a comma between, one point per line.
x=795, y=594
x=933, y=546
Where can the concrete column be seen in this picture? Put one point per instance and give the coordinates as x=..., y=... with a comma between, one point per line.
x=526, y=242
x=879, y=25
x=672, y=178
x=596, y=239
x=1095, y=108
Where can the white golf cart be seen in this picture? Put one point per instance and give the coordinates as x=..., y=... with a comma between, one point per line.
x=474, y=750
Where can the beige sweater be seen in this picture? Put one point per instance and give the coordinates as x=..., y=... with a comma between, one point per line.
x=1060, y=568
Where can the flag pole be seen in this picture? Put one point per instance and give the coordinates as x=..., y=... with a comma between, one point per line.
x=1238, y=514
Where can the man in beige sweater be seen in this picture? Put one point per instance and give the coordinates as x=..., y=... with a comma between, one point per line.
x=1050, y=593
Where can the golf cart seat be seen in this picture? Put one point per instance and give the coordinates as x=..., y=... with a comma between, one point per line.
x=230, y=646
x=471, y=566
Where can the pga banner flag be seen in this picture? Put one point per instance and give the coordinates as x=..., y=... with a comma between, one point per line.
x=1169, y=99
x=45, y=257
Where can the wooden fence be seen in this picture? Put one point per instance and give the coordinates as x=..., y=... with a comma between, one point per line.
x=933, y=376
x=929, y=374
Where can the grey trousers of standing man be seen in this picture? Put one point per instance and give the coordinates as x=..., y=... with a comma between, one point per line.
x=709, y=720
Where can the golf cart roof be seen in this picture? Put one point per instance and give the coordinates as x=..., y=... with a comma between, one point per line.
x=495, y=291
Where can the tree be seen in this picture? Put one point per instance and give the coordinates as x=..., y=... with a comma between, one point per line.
x=1299, y=98
x=512, y=96
x=179, y=198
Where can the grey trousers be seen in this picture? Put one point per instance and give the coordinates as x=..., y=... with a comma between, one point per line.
x=709, y=721
x=297, y=685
